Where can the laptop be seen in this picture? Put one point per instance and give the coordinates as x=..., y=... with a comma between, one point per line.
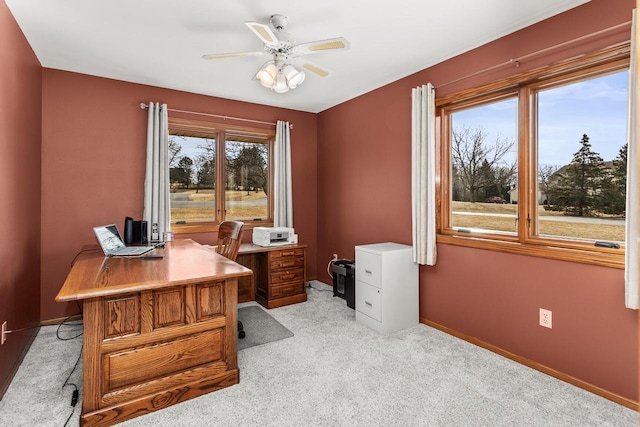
x=112, y=243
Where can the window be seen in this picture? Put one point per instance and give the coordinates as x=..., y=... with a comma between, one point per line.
x=484, y=166
x=218, y=173
x=581, y=159
x=537, y=164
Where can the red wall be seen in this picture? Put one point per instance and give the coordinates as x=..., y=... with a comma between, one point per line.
x=364, y=154
x=93, y=156
x=20, y=116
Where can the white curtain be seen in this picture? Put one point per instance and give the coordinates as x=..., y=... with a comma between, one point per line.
x=632, y=212
x=423, y=175
x=283, y=202
x=156, y=180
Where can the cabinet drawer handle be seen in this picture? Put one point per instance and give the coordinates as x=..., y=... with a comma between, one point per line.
x=287, y=253
x=287, y=276
x=367, y=272
x=367, y=303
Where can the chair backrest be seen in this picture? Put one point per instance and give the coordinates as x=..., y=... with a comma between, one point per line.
x=229, y=239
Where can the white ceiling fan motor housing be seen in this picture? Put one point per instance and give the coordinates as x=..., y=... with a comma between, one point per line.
x=279, y=22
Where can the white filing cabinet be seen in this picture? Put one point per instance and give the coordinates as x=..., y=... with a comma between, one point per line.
x=386, y=287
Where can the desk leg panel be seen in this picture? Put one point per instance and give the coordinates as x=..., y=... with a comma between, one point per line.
x=93, y=335
x=121, y=412
x=231, y=293
x=177, y=359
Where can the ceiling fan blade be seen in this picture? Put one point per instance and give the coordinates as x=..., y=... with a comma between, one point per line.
x=263, y=32
x=231, y=55
x=322, y=46
x=314, y=68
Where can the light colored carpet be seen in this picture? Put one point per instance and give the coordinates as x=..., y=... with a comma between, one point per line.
x=335, y=372
x=260, y=327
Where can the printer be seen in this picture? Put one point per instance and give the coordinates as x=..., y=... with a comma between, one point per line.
x=274, y=236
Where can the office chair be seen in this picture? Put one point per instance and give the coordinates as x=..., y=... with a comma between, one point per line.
x=229, y=240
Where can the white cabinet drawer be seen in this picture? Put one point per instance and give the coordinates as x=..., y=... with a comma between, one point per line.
x=369, y=300
x=368, y=268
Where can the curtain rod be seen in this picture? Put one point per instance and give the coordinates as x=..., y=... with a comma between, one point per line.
x=516, y=61
x=145, y=106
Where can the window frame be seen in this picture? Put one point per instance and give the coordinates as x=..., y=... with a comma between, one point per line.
x=218, y=131
x=524, y=86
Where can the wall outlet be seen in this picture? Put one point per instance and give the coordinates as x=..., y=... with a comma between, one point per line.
x=335, y=257
x=3, y=332
x=545, y=318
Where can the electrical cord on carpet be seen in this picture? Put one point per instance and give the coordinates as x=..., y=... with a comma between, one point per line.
x=75, y=394
x=75, y=334
x=65, y=322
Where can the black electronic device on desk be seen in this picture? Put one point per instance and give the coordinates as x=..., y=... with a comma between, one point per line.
x=135, y=232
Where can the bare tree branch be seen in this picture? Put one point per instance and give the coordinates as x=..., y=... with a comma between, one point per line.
x=472, y=156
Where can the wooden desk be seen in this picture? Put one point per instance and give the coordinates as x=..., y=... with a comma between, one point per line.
x=156, y=331
x=279, y=274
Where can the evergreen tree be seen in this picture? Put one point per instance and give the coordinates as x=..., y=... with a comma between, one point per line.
x=207, y=173
x=579, y=185
x=505, y=179
x=614, y=186
x=182, y=172
x=248, y=167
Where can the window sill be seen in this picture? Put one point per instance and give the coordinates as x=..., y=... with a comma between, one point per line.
x=604, y=258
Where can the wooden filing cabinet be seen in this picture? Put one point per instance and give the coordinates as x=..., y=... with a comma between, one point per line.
x=279, y=273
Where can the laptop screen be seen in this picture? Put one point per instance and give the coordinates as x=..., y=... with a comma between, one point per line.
x=109, y=238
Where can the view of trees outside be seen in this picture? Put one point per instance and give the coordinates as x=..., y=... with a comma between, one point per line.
x=192, y=176
x=588, y=186
x=582, y=158
x=581, y=170
x=484, y=166
x=247, y=179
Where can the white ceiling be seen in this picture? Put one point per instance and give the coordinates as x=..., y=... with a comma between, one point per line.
x=160, y=42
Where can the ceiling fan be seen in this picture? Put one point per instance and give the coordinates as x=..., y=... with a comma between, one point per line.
x=279, y=73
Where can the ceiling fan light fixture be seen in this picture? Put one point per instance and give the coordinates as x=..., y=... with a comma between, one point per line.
x=280, y=77
x=279, y=74
x=280, y=85
x=293, y=76
x=267, y=75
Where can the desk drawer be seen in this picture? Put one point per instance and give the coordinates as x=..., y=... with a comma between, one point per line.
x=287, y=263
x=289, y=289
x=287, y=275
x=284, y=253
